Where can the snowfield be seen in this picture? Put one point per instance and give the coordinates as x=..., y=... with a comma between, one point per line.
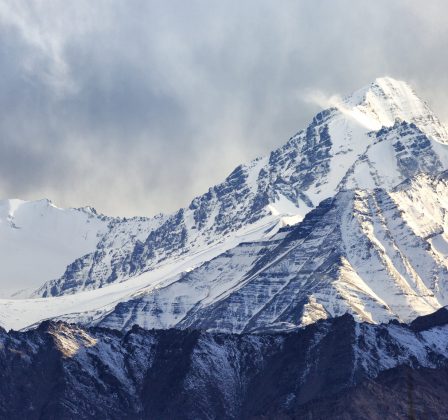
x=38, y=241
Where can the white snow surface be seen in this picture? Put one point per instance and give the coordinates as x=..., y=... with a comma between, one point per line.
x=38, y=240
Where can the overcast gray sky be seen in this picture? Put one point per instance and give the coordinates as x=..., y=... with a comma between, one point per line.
x=135, y=107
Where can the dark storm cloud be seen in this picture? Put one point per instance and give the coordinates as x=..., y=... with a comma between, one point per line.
x=134, y=107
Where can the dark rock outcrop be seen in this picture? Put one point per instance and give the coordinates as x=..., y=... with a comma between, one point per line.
x=331, y=369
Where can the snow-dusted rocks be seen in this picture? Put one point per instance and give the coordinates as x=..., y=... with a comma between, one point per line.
x=118, y=247
x=335, y=368
x=39, y=241
x=361, y=190
x=371, y=253
x=377, y=137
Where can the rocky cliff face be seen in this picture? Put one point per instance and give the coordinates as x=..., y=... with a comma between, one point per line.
x=332, y=369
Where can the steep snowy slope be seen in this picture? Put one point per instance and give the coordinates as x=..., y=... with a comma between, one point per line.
x=38, y=241
x=94, y=303
x=343, y=147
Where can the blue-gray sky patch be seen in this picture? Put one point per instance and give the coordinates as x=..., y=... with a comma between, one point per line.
x=135, y=107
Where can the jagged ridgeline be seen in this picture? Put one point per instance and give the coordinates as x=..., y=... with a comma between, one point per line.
x=336, y=368
x=347, y=217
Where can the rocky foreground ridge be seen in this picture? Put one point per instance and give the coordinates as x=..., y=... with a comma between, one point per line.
x=335, y=368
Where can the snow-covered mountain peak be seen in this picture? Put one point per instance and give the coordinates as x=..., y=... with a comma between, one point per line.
x=344, y=147
x=225, y=251
x=387, y=100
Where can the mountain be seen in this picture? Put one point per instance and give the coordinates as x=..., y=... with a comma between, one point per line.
x=347, y=216
x=378, y=255
x=336, y=368
x=378, y=136
x=311, y=283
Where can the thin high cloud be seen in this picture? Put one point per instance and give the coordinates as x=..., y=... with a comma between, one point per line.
x=135, y=107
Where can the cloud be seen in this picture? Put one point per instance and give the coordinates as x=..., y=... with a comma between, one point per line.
x=135, y=107
x=324, y=101
x=28, y=19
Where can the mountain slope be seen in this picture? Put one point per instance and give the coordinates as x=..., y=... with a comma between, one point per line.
x=378, y=255
x=227, y=262
x=38, y=240
x=335, y=369
x=343, y=147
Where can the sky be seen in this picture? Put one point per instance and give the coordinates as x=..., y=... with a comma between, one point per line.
x=135, y=107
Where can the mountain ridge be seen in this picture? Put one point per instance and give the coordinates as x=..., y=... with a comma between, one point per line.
x=295, y=177
x=98, y=372
x=242, y=218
